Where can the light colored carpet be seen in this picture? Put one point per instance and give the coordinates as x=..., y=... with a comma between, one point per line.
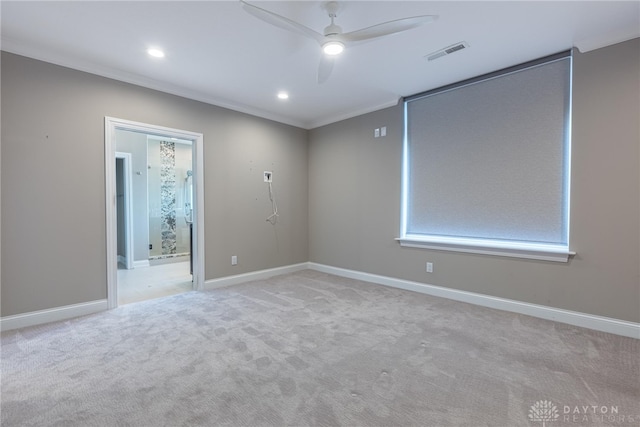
x=314, y=349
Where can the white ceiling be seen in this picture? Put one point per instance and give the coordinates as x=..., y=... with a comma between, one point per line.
x=219, y=54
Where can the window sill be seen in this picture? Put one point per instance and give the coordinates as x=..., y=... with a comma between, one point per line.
x=556, y=253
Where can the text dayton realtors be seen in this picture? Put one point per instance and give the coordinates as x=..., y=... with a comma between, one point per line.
x=596, y=413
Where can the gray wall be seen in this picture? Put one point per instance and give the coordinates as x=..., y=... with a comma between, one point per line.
x=53, y=188
x=337, y=187
x=354, y=210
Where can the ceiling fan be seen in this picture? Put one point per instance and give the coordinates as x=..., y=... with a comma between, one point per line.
x=333, y=40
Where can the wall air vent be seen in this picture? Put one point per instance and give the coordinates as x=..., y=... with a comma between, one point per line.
x=447, y=51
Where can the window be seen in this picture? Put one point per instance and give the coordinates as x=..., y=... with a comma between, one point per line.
x=486, y=164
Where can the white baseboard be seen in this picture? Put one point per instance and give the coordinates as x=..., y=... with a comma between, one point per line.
x=141, y=263
x=33, y=318
x=598, y=323
x=254, y=275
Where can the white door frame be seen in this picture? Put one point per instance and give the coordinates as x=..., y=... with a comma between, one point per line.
x=128, y=212
x=110, y=126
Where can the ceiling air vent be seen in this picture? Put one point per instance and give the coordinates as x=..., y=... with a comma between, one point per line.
x=447, y=51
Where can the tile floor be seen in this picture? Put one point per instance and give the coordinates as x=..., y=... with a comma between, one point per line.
x=157, y=281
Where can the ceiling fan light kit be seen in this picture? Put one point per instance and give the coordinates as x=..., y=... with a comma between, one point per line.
x=333, y=48
x=334, y=41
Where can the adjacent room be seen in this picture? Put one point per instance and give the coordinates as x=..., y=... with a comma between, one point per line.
x=269, y=213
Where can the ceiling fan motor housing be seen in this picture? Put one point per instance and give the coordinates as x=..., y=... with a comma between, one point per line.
x=332, y=8
x=332, y=29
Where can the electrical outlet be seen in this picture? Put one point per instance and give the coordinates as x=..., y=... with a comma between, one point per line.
x=234, y=260
x=268, y=176
x=150, y=246
x=429, y=267
x=376, y=133
x=383, y=131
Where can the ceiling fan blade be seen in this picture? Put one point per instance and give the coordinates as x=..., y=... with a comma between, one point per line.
x=281, y=21
x=387, y=28
x=325, y=68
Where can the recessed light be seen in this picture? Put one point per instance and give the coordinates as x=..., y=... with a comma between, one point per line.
x=156, y=53
x=283, y=95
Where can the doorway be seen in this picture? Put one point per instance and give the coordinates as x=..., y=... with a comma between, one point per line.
x=154, y=215
x=154, y=221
